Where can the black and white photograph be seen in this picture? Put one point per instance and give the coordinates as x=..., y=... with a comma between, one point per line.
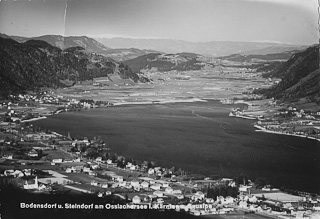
x=143, y=109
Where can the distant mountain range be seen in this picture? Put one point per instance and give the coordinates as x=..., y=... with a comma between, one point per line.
x=89, y=44
x=214, y=48
x=300, y=77
x=36, y=63
x=282, y=56
x=166, y=62
x=61, y=42
x=127, y=54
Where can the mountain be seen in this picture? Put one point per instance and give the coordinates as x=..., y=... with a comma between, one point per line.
x=126, y=54
x=283, y=56
x=35, y=63
x=166, y=62
x=213, y=48
x=275, y=50
x=300, y=77
x=61, y=42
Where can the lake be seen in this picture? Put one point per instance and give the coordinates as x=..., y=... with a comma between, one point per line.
x=198, y=137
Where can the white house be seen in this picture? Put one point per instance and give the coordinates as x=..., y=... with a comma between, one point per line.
x=8, y=156
x=135, y=183
x=104, y=185
x=253, y=199
x=198, y=196
x=32, y=153
x=158, y=193
x=155, y=186
x=169, y=190
x=8, y=172
x=136, y=199
x=86, y=169
x=94, y=183
x=165, y=184
x=99, y=159
x=18, y=173
x=57, y=161
x=31, y=186
x=228, y=200
x=151, y=171
x=122, y=184
x=145, y=184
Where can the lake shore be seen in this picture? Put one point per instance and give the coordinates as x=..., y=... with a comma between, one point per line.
x=261, y=129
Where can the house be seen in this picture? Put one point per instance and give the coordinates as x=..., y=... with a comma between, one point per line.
x=27, y=172
x=169, y=190
x=209, y=200
x=151, y=171
x=165, y=184
x=118, y=178
x=180, y=197
x=133, y=168
x=177, y=191
x=33, y=153
x=137, y=188
x=91, y=173
x=135, y=183
x=145, y=184
x=229, y=200
x=198, y=196
x=104, y=185
x=57, y=160
x=94, y=166
x=136, y=200
x=8, y=172
x=18, y=174
x=122, y=184
x=94, y=183
x=31, y=186
x=158, y=193
x=155, y=186
x=253, y=199
x=100, y=194
x=7, y=156
x=86, y=169
x=244, y=188
x=243, y=204
x=99, y=159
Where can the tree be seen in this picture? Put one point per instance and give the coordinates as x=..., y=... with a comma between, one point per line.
x=260, y=182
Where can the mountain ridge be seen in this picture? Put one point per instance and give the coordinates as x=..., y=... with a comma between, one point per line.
x=35, y=64
x=213, y=48
x=300, y=77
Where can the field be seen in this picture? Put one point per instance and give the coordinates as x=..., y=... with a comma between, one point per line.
x=280, y=196
x=168, y=86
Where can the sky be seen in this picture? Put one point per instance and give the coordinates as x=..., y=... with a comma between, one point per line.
x=285, y=21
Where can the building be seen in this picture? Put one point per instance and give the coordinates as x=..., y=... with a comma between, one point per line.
x=31, y=186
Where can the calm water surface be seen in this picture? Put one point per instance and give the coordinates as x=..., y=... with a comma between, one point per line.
x=198, y=137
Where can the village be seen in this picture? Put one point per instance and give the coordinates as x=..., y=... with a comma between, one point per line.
x=42, y=161
x=280, y=119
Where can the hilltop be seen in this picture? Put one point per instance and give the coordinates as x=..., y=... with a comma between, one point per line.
x=166, y=62
x=35, y=64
